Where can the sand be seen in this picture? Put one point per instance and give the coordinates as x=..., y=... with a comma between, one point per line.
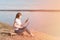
x=37, y=35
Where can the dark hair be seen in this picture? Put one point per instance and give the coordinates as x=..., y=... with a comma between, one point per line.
x=18, y=15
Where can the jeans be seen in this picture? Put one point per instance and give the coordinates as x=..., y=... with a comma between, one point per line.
x=21, y=30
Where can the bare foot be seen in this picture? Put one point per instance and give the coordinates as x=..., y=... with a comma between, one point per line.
x=32, y=35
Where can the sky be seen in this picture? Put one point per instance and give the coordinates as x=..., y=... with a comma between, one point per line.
x=30, y=4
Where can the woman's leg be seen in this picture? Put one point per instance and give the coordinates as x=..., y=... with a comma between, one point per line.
x=25, y=29
x=28, y=31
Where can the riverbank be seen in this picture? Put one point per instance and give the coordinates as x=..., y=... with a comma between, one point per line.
x=37, y=35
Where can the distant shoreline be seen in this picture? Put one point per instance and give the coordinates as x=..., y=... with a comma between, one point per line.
x=32, y=10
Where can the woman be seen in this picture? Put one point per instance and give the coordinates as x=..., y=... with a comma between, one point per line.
x=19, y=28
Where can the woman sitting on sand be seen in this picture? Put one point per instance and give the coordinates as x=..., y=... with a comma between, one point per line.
x=19, y=28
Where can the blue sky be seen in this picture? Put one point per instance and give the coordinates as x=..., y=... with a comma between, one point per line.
x=29, y=4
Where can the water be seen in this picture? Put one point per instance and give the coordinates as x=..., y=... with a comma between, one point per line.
x=48, y=22
x=9, y=17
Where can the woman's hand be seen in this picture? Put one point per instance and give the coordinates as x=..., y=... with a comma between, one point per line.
x=26, y=20
x=25, y=23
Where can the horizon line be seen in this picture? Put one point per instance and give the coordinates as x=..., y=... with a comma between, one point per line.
x=32, y=10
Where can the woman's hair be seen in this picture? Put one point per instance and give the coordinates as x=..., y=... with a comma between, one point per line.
x=18, y=15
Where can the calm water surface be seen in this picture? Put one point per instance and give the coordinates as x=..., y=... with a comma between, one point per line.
x=48, y=22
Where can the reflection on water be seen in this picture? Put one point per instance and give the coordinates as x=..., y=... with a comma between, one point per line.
x=48, y=22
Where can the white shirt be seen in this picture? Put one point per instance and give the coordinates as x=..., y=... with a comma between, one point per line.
x=17, y=24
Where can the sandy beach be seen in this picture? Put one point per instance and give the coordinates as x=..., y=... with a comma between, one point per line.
x=37, y=35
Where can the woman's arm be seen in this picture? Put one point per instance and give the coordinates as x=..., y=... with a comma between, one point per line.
x=26, y=22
